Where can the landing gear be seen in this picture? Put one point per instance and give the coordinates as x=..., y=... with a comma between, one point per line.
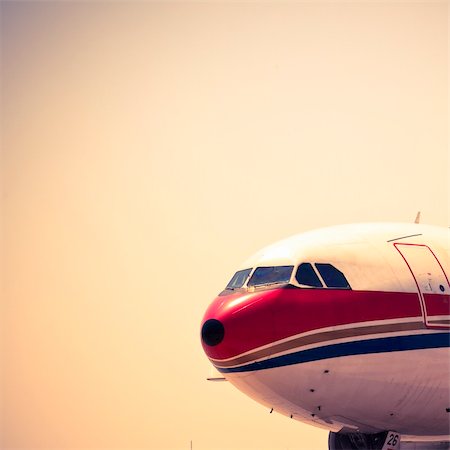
x=385, y=440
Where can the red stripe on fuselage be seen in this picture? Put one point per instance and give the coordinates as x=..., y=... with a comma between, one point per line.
x=252, y=320
x=437, y=304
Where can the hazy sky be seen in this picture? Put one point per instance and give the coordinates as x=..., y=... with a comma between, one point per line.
x=149, y=148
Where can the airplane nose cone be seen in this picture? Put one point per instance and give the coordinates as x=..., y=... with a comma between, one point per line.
x=213, y=332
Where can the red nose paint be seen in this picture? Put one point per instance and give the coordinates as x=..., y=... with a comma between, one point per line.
x=252, y=320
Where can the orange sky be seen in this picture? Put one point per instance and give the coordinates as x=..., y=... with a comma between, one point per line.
x=149, y=148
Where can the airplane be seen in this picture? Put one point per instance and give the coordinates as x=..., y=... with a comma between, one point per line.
x=346, y=328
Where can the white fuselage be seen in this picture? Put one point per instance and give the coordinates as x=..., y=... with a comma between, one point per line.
x=355, y=339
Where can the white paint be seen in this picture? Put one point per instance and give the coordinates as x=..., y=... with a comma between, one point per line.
x=405, y=391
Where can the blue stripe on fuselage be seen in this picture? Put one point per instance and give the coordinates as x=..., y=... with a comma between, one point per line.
x=369, y=346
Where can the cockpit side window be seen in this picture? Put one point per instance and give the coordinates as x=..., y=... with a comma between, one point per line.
x=332, y=277
x=307, y=276
x=271, y=275
x=239, y=279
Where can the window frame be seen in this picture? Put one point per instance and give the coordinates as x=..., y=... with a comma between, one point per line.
x=315, y=272
x=228, y=287
x=326, y=285
x=270, y=284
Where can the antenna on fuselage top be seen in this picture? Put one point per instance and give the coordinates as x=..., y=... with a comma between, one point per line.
x=417, y=218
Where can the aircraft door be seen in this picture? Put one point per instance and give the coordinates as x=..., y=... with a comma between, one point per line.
x=432, y=283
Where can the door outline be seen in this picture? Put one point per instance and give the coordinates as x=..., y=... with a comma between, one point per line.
x=420, y=291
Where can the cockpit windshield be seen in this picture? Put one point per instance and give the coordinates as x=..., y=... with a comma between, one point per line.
x=271, y=275
x=239, y=279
